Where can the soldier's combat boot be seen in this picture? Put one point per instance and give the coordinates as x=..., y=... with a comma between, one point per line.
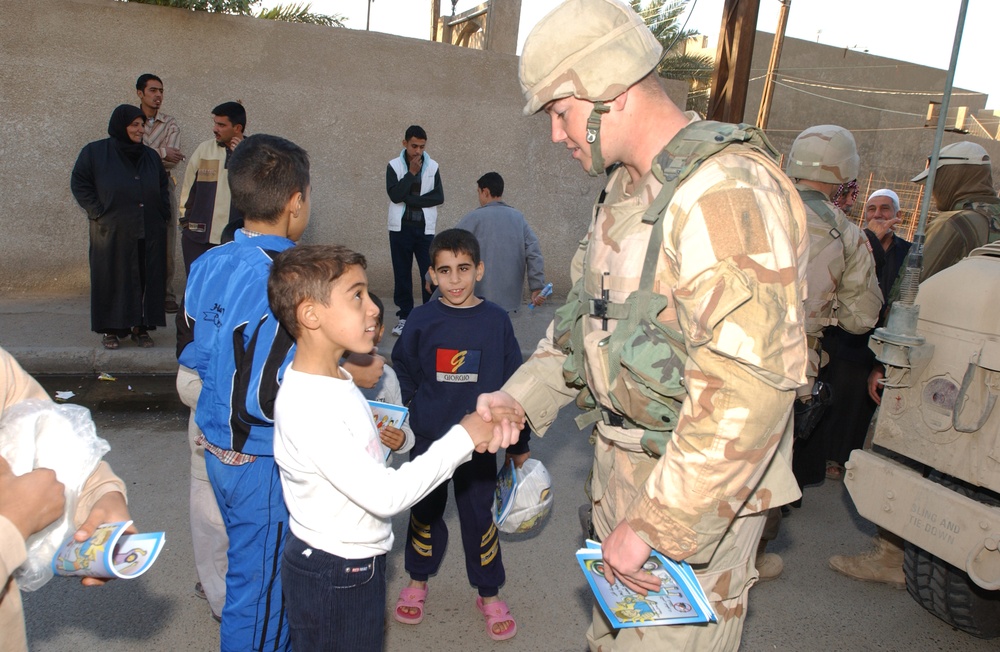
x=769, y=565
x=883, y=564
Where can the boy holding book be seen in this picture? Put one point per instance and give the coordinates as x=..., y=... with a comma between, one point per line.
x=340, y=494
x=386, y=390
x=452, y=350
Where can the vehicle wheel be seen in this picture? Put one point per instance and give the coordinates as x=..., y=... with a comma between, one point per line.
x=949, y=594
x=946, y=591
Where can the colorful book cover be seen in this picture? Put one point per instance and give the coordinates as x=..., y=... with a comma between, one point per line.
x=387, y=414
x=679, y=601
x=506, y=490
x=109, y=553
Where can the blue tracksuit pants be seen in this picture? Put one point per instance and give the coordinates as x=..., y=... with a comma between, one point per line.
x=253, y=510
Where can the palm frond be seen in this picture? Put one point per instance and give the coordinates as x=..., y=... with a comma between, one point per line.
x=292, y=13
x=662, y=17
x=301, y=13
x=219, y=6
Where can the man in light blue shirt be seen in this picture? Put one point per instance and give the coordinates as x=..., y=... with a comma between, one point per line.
x=508, y=245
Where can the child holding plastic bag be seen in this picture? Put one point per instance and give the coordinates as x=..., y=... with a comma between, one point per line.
x=32, y=501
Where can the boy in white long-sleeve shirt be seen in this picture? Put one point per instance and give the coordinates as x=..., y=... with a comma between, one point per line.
x=339, y=493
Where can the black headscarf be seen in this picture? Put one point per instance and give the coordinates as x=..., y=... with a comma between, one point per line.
x=122, y=117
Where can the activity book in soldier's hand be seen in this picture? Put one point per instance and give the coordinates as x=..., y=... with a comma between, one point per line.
x=679, y=601
x=109, y=553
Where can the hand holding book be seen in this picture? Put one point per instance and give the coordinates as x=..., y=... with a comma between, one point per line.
x=624, y=556
x=678, y=601
x=388, y=421
x=110, y=552
x=109, y=508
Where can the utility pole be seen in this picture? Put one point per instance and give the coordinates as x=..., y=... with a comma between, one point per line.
x=732, y=62
x=435, y=19
x=779, y=39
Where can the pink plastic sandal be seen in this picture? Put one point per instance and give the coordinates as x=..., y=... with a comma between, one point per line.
x=496, y=613
x=414, y=599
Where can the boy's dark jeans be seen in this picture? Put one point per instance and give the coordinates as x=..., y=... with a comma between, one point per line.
x=333, y=603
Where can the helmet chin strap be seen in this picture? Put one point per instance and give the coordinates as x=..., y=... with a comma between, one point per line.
x=594, y=138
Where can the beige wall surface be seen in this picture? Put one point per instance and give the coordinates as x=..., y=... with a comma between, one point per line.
x=346, y=96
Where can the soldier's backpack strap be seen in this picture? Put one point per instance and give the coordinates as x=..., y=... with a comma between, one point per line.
x=692, y=146
x=963, y=223
x=991, y=212
x=654, y=354
x=819, y=203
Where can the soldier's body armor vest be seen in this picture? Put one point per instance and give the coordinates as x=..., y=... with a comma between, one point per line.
x=638, y=382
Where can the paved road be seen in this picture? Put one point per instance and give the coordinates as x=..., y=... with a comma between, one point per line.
x=809, y=608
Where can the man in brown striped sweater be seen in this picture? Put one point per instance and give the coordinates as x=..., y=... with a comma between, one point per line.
x=163, y=135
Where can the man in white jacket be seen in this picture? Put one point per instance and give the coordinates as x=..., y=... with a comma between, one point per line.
x=413, y=183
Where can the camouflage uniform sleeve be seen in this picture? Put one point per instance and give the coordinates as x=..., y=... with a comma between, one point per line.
x=736, y=236
x=858, y=294
x=538, y=384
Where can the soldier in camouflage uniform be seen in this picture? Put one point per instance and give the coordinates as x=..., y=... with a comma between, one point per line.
x=843, y=288
x=722, y=349
x=970, y=217
x=963, y=190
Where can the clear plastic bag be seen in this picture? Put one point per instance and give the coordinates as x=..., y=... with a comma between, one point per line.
x=533, y=500
x=41, y=434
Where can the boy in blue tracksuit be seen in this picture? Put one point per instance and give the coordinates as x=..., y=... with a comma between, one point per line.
x=240, y=353
x=452, y=350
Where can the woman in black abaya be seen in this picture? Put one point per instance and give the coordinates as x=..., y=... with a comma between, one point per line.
x=123, y=187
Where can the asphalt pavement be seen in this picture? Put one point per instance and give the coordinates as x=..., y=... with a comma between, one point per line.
x=808, y=608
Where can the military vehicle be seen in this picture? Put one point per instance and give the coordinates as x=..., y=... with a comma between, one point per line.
x=932, y=472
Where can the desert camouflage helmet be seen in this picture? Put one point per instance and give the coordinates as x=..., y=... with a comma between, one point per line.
x=590, y=49
x=824, y=153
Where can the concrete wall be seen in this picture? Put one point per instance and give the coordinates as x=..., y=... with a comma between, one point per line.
x=891, y=137
x=344, y=95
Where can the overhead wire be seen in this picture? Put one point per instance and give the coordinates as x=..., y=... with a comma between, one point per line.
x=861, y=89
x=791, y=80
x=833, y=99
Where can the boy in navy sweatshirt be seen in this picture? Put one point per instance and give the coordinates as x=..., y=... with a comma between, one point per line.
x=452, y=350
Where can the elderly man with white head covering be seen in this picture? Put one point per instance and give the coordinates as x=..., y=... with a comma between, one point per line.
x=882, y=215
x=846, y=423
